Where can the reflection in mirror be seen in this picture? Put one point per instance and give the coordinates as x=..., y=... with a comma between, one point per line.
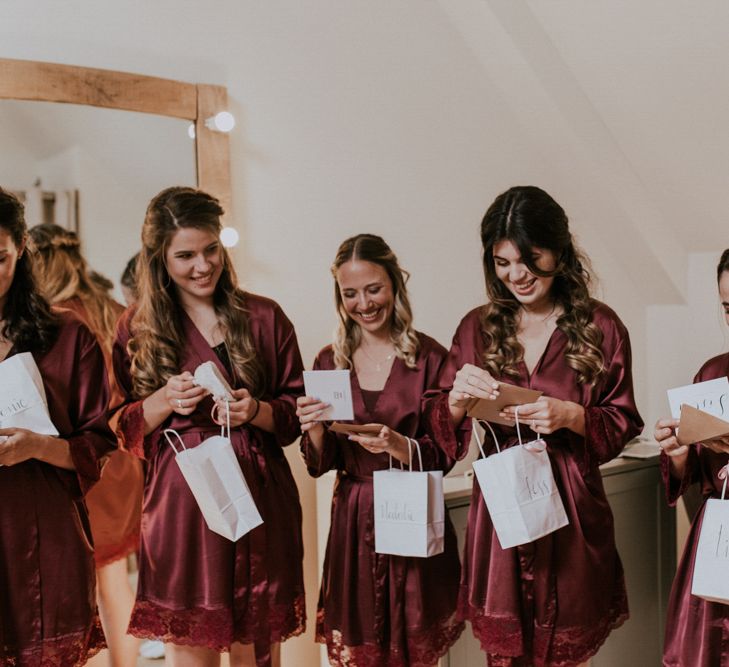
x=92, y=170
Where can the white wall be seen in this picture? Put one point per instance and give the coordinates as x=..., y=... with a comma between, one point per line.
x=681, y=337
x=406, y=118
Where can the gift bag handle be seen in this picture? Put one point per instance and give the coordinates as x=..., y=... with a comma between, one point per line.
x=411, y=442
x=537, y=445
x=166, y=433
x=227, y=418
x=723, y=474
x=493, y=434
x=410, y=454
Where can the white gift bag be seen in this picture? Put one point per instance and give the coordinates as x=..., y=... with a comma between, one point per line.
x=519, y=490
x=711, y=565
x=409, y=510
x=22, y=396
x=213, y=474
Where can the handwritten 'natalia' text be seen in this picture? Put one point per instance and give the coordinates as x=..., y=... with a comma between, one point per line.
x=396, y=512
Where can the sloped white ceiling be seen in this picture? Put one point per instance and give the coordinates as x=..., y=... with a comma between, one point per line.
x=656, y=72
x=626, y=103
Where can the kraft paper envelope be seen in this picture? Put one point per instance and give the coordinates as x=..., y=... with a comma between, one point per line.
x=697, y=426
x=356, y=429
x=509, y=394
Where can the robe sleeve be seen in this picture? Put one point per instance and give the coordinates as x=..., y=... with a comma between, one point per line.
x=613, y=420
x=91, y=439
x=675, y=487
x=288, y=384
x=318, y=463
x=128, y=417
x=434, y=456
x=437, y=423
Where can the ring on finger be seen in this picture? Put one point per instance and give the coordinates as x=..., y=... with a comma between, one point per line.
x=179, y=403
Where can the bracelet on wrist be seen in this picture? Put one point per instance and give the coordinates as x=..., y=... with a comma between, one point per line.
x=255, y=412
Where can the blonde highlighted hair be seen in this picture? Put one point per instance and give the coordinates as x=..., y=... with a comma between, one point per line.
x=63, y=274
x=157, y=340
x=348, y=335
x=530, y=218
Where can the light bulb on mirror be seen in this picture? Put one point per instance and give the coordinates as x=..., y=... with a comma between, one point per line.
x=229, y=237
x=223, y=121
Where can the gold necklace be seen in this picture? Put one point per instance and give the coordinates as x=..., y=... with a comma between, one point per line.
x=378, y=364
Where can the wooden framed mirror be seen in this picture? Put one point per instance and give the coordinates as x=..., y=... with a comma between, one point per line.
x=51, y=82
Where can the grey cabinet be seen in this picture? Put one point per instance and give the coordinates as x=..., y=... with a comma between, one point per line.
x=646, y=537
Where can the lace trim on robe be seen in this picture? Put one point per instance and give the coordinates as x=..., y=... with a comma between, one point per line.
x=105, y=555
x=130, y=429
x=213, y=628
x=439, y=425
x=422, y=651
x=563, y=647
x=73, y=650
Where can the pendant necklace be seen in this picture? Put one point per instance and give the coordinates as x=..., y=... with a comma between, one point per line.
x=378, y=364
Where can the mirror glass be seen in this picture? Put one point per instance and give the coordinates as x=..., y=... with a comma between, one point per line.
x=92, y=170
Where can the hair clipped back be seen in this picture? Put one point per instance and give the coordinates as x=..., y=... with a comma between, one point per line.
x=529, y=218
x=29, y=322
x=63, y=274
x=157, y=335
x=371, y=248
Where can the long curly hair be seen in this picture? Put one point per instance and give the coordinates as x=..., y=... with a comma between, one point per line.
x=63, y=274
x=29, y=322
x=348, y=335
x=529, y=218
x=157, y=340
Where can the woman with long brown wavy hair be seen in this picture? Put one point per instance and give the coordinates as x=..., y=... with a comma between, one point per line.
x=551, y=602
x=199, y=592
x=47, y=605
x=115, y=503
x=378, y=610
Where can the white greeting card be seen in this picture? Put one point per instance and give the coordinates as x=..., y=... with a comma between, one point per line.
x=334, y=388
x=711, y=396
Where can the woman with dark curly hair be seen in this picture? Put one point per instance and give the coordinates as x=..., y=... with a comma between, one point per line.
x=696, y=629
x=551, y=602
x=47, y=606
x=199, y=592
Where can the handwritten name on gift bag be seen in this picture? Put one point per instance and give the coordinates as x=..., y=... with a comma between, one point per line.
x=22, y=396
x=409, y=510
x=213, y=474
x=519, y=491
x=711, y=565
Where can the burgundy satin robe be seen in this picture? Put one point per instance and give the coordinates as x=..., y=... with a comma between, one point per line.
x=196, y=587
x=115, y=503
x=378, y=610
x=554, y=601
x=47, y=578
x=697, y=631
